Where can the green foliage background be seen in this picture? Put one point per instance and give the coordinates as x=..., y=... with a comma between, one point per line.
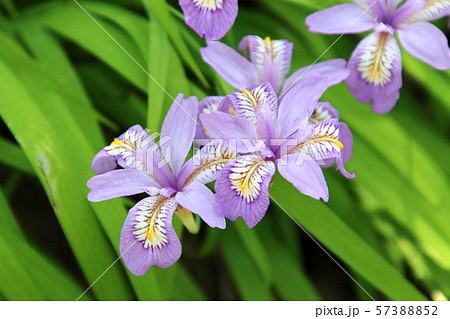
x=66, y=89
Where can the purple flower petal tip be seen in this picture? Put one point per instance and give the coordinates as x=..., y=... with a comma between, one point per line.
x=210, y=18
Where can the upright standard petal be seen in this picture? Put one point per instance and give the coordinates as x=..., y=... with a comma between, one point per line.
x=199, y=199
x=148, y=237
x=305, y=174
x=343, y=18
x=210, y=18
x=406, y=11
x=239, y=72
x=334, y=70
x=376, y=71
x=298, y=104
x=427, y=43
x=178, y=131
x=205, y=165
x=433, y=10
x=122, y=182
x=376, y=8
x=272, y=58
x=233, y=132
x=242, y=189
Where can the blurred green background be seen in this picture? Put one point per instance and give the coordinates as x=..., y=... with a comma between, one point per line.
x=66, y=89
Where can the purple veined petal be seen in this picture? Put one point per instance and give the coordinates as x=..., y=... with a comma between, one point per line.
x=245, y=103
x=178, y=131
x=235, y=133
x=103, y=162
x=323, y=142
x=343, y=18
x=239, y=72
x=121, y=182
x=298, y=105
x=376, y=72
x=272, y=58
x=123, y=151
x=157, y=166
x=148, y=237
x=346, y=138
x=377, y=8
x=242, y=189
x=210, y=18
x=405, y=11
x=334, y=70
x=324, y=111
x=305, y=174
x=208, y=104
x=205, y=165
x=199, y=199
x=427, y=43
x=433, y=10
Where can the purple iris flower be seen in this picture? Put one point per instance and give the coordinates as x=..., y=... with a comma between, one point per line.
x=265, y=61
x=294, y=136
x=148, y=237
x=210, y=18
x=376, y=68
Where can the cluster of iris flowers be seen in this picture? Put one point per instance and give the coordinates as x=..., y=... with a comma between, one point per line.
x=271, y=122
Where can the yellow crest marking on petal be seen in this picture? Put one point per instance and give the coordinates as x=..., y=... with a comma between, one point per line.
x=118, y=143
x=314, y=140
x=151, y=229
x=377, y=60
x=244, y=184
x=251, y=96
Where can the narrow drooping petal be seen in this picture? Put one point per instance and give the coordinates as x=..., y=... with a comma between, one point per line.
x=242, y=189
x=376, y=71
x=305, y=174
x=235, y=133
x=427, y=43
x=245, y=103
x=324, y=111
x=148, y=237
x=343, y=18
x=272, y=58
x=122, y=182
x=205, y=166
x=346, y=138
x=298, y=104
x=433, y=10
x=239, y=72
x=208, y=104
x=123, y=150
x=178, y=131
x=334, y=70
x=199, y=199
x=210, y=18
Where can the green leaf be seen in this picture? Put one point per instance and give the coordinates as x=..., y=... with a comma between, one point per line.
x=323, y=224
